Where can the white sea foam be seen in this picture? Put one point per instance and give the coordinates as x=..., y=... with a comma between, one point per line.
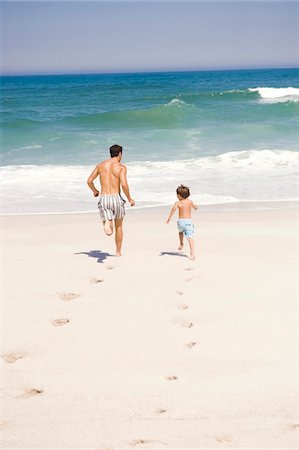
x=176, y=102
x=26, y=147
x=254, y=160
x=277, y=94
x=251, y=175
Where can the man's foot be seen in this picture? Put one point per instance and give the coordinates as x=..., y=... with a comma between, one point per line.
x=192, y=257
x=118, y=254
x=108, y=228
x=181, y=247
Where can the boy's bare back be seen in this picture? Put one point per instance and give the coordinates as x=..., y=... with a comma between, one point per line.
x=185, y=206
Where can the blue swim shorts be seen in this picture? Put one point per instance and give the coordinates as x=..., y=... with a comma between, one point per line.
x=186, y=226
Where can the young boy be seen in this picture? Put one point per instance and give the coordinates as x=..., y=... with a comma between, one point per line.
x=185, y=225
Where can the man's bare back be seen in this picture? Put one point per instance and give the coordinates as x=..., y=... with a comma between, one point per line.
x=110, y=173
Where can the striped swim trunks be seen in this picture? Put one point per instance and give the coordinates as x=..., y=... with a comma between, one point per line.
x=111, y=207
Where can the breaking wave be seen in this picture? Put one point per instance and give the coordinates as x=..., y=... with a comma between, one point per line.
x=259, y=175
x=269, y=94
x=170, y=115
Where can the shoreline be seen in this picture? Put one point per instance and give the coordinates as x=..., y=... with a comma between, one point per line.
x=253, y=206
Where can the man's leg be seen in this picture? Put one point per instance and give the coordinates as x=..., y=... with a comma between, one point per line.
x=106, y=218
x=181, y=238
x=108, y=227
x=191, y=245
x=118, y=235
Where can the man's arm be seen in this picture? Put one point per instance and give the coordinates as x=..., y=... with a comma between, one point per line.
x=124, y=185
x=173, y=210
x=90, y=180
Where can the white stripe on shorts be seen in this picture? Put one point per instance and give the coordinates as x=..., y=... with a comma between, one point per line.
x=111, y=207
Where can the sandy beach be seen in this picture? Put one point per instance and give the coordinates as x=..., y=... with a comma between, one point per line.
x=150, y=350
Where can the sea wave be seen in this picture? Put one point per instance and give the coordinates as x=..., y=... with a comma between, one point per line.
x=251, y=159
x=269, y=94
x=254, y=175
x=21, y=123
x=182, y=111
x=26, y=147
x=168, y=115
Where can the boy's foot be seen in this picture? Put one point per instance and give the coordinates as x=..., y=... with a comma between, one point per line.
x=192, y=257
x=181, y=247
x=108, y=228
x=118, y=254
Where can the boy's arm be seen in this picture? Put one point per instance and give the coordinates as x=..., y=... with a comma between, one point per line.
x=194, y=205
x=90, y=180
x=125, y=186
x=173, y=210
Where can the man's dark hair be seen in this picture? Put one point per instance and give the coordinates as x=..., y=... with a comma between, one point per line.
x=183, y=191
x=115, y=150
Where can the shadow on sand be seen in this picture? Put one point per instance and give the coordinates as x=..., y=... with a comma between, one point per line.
x=173, y=254
x=101, y=256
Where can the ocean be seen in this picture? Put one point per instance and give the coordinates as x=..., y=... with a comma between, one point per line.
x=231, y=136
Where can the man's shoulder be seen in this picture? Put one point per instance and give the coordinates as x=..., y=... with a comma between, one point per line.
x=118, y=168
x=103, y=163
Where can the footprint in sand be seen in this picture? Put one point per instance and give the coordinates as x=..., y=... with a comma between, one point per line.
x=60, y=322
x=109, y=267
x=187, y=269
x=187, y=324
x=223, y=439
x=179, y=292
x=171, y=378
x=188, y=279
x=137, y=442
x=3, y=425
x=182, y=306
x=96, y=280
x=190, y=344
x=31, y=393
x=294, y=427
x=12, y=357
x=68, y=296
x=160, y=411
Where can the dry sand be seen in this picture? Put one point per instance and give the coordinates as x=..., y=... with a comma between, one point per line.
x=150, y=350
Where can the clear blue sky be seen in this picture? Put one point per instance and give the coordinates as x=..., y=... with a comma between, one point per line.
x=74, y=37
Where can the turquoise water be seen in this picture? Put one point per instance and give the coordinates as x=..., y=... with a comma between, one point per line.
x=231, y=135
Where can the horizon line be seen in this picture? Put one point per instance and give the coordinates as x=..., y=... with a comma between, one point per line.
x=137, y=71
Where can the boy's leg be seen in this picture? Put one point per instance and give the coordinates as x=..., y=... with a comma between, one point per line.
x=181, y=238
x=191, y=245
x=118, y=235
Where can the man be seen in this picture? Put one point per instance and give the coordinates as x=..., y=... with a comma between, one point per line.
x=113, y=176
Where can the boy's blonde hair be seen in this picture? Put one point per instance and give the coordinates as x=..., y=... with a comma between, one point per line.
x=183, y=191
